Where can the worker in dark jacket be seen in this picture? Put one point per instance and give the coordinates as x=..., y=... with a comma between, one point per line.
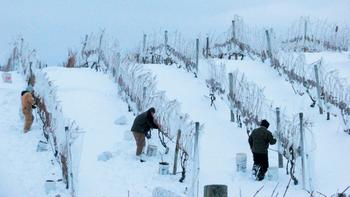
x=259, y=141
x=141, y=128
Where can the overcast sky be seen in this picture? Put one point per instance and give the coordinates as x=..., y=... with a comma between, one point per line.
x=54, y=26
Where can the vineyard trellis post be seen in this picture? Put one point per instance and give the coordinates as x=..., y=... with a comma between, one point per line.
x=302, y=149
x=165, y=39
x=144, y=91
x=195, y=167
x=144, y=43
x=207, y=48
x=177, y=147
x=118, y=60
x=318, y=87
x=269, y=49
x=278, y=126
x=233, y=30
x=305, y=36
x=197, y=55
x=230, y=78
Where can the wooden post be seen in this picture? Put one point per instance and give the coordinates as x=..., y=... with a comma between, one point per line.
x=176, y=151
x=195, y=162
x=118, y=60
x=165, y=39
x=196, y=140
x=278, y=126
x=305, y=36
x=144, y=43
x=144, y=91
x=302, y=148
x=318, y=88
x=230, y=77
x=207, y=49
x=215, y=191
x=197, y=54
x=269, y=49
x=233, y=30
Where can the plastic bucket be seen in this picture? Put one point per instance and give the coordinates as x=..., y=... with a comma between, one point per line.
x=163, y=168
x=272, y=174
x=50, y=185
x=241, y=162
x=151, y=150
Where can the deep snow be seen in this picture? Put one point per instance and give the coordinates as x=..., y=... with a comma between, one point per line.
x=23, y=171
x=90, y=98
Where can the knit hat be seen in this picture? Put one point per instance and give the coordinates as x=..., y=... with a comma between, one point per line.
x=265, y=123
x=152, y=110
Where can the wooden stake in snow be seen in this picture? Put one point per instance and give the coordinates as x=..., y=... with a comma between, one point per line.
x=230, y=78
x=196, y=160
x=207, y=49
x=233, y=30
x=215, y=190
x=197, y=55
x=318, y=88
x=269, y=49
x=305, y=37
x=302, y=148
x=280, y=158
x=176, y=151
x=196, y=135
x=165, y=39
x=144, y=93
x=144, y=43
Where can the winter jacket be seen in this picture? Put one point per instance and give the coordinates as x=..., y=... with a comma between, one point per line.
x=27, y=102
x=260, y=139
x=143, y=123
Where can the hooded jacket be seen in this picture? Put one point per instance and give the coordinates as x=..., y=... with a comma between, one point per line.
x=27, y=102
x=143, y=123
x=260, y=139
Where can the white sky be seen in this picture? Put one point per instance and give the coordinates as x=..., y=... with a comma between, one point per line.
x=52, y=27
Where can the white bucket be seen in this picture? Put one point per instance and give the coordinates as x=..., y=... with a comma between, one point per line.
x=163, y=168
x=162, y=192
x=241, y=162
x=272, y=174
x=151, y=150
x=50, y=185
x=42, y=146
x=128, y=136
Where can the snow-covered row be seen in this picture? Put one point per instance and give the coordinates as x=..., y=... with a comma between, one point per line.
x=23, y=170
x=108, y=166
x=62, y=134
x=280, y=92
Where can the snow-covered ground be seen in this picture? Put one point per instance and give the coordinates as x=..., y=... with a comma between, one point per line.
x=221, y=140
x=90, y=98
x=23, y=171
x=332, y=61
x=325, y=133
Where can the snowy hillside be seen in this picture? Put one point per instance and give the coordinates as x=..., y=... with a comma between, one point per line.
x=211, y=70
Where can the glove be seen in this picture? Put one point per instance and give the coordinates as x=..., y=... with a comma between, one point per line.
x=148, y=135
x=33, y=107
